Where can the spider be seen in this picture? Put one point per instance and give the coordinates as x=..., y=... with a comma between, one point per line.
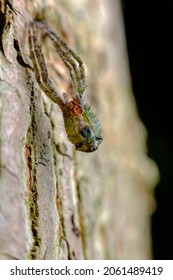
x=81, y=124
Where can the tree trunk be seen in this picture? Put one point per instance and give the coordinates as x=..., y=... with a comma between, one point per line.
x=57, y=203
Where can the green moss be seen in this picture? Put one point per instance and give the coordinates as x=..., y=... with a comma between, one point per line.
x=34, y=216
x=32, y=180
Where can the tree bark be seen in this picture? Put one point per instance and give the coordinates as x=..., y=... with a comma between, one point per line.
x=57, y=203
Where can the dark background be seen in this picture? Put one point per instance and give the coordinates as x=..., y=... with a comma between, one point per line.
x=149, y=33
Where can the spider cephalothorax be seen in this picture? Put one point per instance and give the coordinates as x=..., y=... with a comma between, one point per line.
x=82, y=126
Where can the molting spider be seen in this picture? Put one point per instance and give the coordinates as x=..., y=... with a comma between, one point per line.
x=81, y=124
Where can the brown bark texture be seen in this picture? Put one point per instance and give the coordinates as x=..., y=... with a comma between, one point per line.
x=56, y=203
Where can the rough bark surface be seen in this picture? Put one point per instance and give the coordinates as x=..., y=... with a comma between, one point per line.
x=56, y=203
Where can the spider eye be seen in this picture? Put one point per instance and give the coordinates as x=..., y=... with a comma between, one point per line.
x=78, y=146
x=99, y=139
x=86, y=132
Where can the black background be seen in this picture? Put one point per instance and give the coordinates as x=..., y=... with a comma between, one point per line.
x=149, y=33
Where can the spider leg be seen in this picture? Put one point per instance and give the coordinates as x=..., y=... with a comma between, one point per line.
x=69, y=55
x=65, y=59
x=40, y=69
x=81, y=82
x=70, y=59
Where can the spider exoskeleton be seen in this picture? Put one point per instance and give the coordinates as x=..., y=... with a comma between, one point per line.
x=81, y=124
